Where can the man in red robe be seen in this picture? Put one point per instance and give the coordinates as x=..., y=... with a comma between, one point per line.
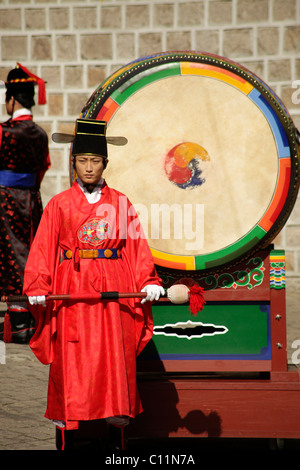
x=24, y=159
x=90, y=240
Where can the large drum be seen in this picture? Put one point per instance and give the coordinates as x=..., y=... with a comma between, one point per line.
x=212, y=162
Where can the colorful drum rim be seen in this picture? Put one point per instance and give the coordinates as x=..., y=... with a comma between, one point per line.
x=114, y=91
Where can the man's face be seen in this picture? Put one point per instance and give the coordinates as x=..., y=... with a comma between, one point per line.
x=89, y=168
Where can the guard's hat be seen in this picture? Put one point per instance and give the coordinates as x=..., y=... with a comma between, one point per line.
x=89, y=138
x=20, y=84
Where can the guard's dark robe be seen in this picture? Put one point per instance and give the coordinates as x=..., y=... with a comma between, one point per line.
x=24, y=159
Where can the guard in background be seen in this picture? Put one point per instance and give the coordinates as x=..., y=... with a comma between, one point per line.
x=24, y=159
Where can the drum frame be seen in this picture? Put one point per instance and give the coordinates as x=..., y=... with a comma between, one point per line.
x=110, y=94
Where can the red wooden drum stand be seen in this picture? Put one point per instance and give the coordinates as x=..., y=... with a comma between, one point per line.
x=245, y=392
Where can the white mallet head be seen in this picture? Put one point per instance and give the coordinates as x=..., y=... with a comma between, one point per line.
x=178, y=294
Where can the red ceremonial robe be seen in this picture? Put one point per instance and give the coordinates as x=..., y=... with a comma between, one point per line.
x=91, y=345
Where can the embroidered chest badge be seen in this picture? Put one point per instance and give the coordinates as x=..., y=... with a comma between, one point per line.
x=94, y=231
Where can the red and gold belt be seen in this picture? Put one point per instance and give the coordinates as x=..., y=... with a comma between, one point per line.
x=108, y=253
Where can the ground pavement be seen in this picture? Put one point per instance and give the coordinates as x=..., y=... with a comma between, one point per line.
x=23, y=389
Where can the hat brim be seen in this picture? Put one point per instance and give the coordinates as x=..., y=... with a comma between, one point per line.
x=61, y=138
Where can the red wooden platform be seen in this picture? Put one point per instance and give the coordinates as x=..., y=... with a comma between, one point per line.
x=219, y=406
x=227, y=398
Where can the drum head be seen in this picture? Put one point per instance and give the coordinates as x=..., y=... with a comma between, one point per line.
x=211, y=163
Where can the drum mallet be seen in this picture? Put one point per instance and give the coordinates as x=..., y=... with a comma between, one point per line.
x=177, y=294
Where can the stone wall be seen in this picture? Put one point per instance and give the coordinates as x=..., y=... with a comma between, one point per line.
x=74, y=45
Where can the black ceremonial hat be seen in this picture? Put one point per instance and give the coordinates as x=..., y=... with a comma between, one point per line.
x=89, y=138
x=20, y=84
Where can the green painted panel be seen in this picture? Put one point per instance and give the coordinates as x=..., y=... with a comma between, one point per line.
x=220, y=330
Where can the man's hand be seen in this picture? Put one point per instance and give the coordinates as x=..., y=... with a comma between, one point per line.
x=37, y=300
x=153, y=292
